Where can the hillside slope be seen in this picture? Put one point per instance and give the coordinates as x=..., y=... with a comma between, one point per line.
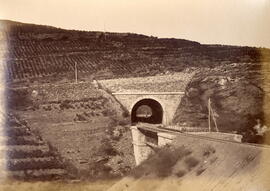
x=235, y=78
x=84, y=124
x=239, y=93
x=36, y=51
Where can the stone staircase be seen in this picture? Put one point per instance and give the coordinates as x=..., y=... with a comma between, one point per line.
x=25, y=156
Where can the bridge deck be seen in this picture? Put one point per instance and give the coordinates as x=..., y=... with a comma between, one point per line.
x=158, y=128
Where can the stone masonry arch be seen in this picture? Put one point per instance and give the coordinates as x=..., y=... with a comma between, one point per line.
x=168, y=101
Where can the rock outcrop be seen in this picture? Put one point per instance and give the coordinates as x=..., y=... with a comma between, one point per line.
x=237, y=93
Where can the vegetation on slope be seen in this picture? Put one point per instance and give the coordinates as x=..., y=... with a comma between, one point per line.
x=101, y=144
x=238, y=92
x=43, y=52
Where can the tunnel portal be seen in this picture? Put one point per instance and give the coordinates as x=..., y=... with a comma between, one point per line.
x=147, y=111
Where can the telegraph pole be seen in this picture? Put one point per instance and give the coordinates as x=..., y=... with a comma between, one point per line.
x=209, y=115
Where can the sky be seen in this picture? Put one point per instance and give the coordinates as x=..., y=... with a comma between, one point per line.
x=231, y=22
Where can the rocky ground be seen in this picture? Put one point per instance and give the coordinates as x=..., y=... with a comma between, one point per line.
x=238, y=96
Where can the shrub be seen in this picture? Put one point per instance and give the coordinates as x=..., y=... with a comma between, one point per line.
x=65, y=105
x=86, y=114
x=200, y=171
x=208, y=150
x=106, y=148
x=160, y=164
x=49, y=107
x=92, y=113
x=125, y=114
x=181, y=173
x=191, y=162
x=80, y=117
x=105, y=113
x=112, y=123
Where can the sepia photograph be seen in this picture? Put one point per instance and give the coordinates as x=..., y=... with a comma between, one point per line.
x=135, y=95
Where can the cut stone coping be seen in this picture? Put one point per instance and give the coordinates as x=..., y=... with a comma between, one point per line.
x=148, y=93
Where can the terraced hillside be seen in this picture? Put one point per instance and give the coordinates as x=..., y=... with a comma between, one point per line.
x=35, y=51
x=236, y=78
x=26, y=157
x=84, y=124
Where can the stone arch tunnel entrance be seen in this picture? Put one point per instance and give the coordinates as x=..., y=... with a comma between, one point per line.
x=147, y=111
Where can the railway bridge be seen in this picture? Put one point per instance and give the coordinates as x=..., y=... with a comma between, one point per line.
x=151, y=101
x=161, y=109
x=151, y=121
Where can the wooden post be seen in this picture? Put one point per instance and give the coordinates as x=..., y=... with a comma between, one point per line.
x=209, y=115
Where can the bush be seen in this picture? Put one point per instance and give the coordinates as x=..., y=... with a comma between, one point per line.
x=105, y=113
x=49, y=108
x=86, y=114
x=200, y=171
x=125, y=114
x=161, y=163
x=65, y=105
x=208, y=150
x=106, y=148
x=80, y=117
x=191, y=162
x=181, y=173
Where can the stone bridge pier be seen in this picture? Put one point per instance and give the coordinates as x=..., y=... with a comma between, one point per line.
x=143, y=147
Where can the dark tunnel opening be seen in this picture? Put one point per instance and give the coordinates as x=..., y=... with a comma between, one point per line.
x=147, y=111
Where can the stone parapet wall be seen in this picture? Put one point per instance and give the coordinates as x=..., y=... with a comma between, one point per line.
x=160, y=83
